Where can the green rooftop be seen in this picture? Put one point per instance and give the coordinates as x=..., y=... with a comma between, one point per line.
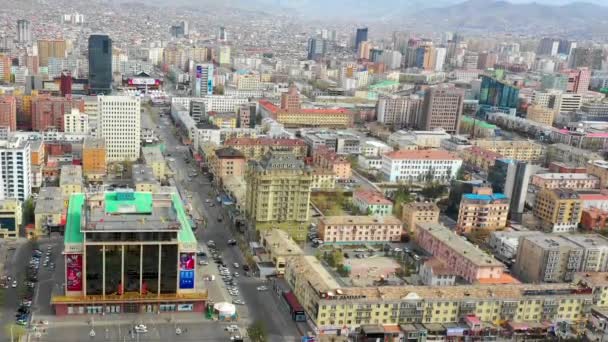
x=141, y=201
x=478, y=123
x=72, y=226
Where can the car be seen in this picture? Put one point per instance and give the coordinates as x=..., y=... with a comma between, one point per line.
x=14, y=284
x=246, y=267
x=212, y=205
x=231, y=242
x=207, y=201
x=236, y=265
x=219, y=219
x=232, y=328
x=203, y=262
x=210, y=243
x=397, y=250
x=236, y=338
x=262, y=288
x=140, y=329
x=238, y=302
x=236, y=274
x=201, y=254
x=21, y=322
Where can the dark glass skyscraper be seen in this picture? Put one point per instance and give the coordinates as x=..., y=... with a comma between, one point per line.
x=498, y=94
x=100, y=64
x=360, y=37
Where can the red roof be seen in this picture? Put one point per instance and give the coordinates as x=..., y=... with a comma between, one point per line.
x=269, y=106
x=291, y=299
x=264, y=142
x=372, y=197
x=593, y=197
x=421, y=154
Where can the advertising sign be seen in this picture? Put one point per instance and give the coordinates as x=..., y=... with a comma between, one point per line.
x=186, y=270
x=73, y=277
x=185, y=307
x=199, y=71
x=142, y=81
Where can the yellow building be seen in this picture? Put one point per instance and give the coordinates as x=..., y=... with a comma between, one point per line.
x=524, y=150
x=248, y=81
x=599, y=168
x=256, y=148
x=94, y=158
x=50, y=48
x=278, y=194
x=153, y=157
x=559, y=210
x=323, y=179
x=482, y=210
x=279, y=247
x=541, y=114
x=415, y=213
x=224, y=120
x=49, y=209
x=333, y=307
x=70, y=180
x=144, y=179
x=11, y=216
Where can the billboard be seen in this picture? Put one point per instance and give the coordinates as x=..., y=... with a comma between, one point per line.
x=186, y=270
x=199, y=71
x=73, y=269
x=142, y=81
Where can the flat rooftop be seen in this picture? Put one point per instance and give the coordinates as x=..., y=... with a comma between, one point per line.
x=546, y=241
x=280, y=243
x=566, y=176
x=50, y=200
x=360, y=220
x=70, y=174
x=152, y=154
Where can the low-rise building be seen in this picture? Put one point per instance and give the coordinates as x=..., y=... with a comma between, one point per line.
x=482, y=210
x=599, y=168
x=144, y=179
x=504, y=243
x=434, y=272
x=420, y=166
x=323, y=179
x=11, y=218
x=327, y=159
x=279, y=247
x=415, y=213
x=359, y=229
x=372, y=203
x=479, y=157
x=559, y=209
x=70, y=181
x=49, y=210
x=256, y=148
x=513, y=149
x=541, y=114
x=561, y=152
x=228, y=161
x=594, y=219
x=422, y=139
x=594, y=200
x=462, y=257
x=153, y=157
x=565, y=181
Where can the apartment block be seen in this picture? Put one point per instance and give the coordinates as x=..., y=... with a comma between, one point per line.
x=482, y=210
x=463, y=258
x=8, y=112
x=76, y=122
x=153, y=157
x=594, y=219
x=420, y=166
x=415, y=213
x=327, y=159
x=16, y=167
x=372, y=203
x=513, y=149
x=323, y=179
x=578, y=181
x=599, y=168
x=547, y=258
x=256, y=148
x=442, y=108
x=228, y=161
x=70, y=180
x=94, y=158
x=359, y=229
x=399, y=110
x=280, y=247
x=278, y=193
x=541, y=114
x=504, y=243
x=559, y=209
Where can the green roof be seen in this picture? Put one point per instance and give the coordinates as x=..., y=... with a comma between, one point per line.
x=185, y=233
x=142, y=201
x=72, y=226
x=479, y=123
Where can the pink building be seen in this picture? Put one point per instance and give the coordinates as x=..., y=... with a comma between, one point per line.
x=48, y=112
x=459, y=255
x=361, y=229
x=566, y=181
x=8, y=112
x=578, y=80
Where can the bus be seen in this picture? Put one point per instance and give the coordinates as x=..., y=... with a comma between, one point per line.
x=295, y=309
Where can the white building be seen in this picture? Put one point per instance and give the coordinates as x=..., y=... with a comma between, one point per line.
x=423, y=139
x=202, y=79
x=75, y=122
x=440, y=55
x=420, y=166
x=15, y=167
x=398, y=110
x=556, y=99
x=374, y=148
x=120, y=126
x=504, y=243
x=435, y=273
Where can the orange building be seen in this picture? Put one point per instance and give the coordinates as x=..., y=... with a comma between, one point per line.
x=329, y=160
x=94, y=158
x=8, y=112
x=594, y=219
x=5, y=68
x=37, y=154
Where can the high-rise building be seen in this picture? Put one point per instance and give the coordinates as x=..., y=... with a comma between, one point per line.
x=94, y=158
x=65, y=83
x=496, y=93
x=120, y=126
x=100, y=64
x=554, y=81
x=512, y=178
x=278, y=193
x=547, y=258
x=24, y=33
x=5, y=68
x=548, y=47
x=290, y=100
x=364, y=50
x=578, y=80
x=51, y=49
x=566, y=46
x=317, y=48
x=425, y=57
x=440, y=56
x=486, y=60
x=15, y=168
x=203, y=80
x=224, y=55
x=8, y=112
x=470, y=60
x=48, y=112
x=442, y=108
x=586, y=57
x=559, y=209
x=223, y=35
x=400, y=111
x=360, y=37
x=558, y=100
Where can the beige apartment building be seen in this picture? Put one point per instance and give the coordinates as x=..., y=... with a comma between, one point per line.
x=541, y=114
x=482, y=210
x=599, y=168
x=418, y=212
x=524, y=150
x=559, y=210
x=360, y=229
x=154, y=158
x=70, y=180
x=278, y=193
x=566, y=181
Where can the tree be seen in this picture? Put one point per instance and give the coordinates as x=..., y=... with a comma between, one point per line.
x=433, y=190
x=478, y=236
x=28, y=211
x=460, y=173
x=257, y=331
x=343, y=271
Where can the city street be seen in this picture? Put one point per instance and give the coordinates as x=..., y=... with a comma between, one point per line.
x=259, y=305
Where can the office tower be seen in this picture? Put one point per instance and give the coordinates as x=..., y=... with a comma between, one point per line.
x=442, y=108
x=440, y=56
x=375, y=55
x=203, y=82
x=566, y=46
x=224, y=55
x=586, y=57
x=554, y=81
x=290, y=101
x=24, y=33
x=317, y=48
x=51, y=49
x=185, y=28
x=425, y=57
x=495, y=93
x=548, y=47
x=223, y=35
x=399, y=111
x=364, y=50
x=360, y=37
x=578, y=80
x=486, y=60
x=65, y=83
x=482, y=210
x=512, y=177
x=470, y=60
x=278, y=193
x=119, y=124
x=100, y=64
x=15, y=168
x=8, y=112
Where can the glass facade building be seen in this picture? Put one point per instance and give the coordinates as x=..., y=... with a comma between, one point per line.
x=496, y=93
x=100, y=64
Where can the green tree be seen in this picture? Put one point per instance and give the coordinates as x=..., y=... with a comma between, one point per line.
x=354, y=162
x=460, y=173
x=434, y=190
x=343, y=271
x=257, y=331
x=28, y=211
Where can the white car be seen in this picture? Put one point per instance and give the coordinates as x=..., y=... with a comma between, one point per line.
x=140, y=329
x=232, y=328
x=236, y=274
x=262, y=288
x=236, y=265
x=14, y=284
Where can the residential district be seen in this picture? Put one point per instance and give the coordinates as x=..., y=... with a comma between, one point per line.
x=239, y=175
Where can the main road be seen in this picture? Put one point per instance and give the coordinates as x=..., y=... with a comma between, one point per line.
x=264, y=306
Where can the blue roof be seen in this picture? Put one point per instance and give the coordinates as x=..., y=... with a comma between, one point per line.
x=485, y=197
